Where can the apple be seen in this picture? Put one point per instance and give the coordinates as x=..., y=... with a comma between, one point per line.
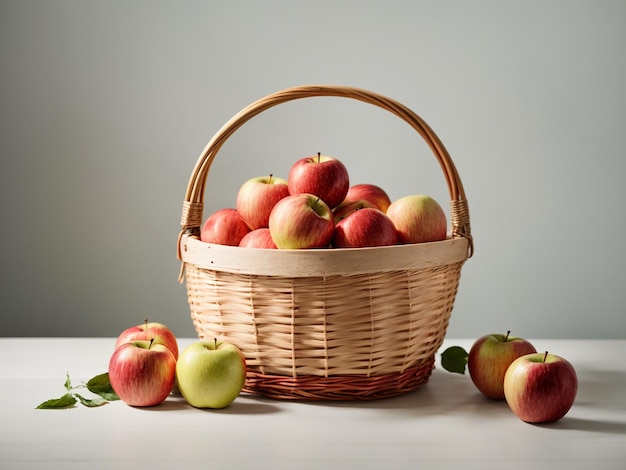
x=347, y=207
x=418, y=219
x=142, y=373
x=371, y=193
x=323, y=176
x=210, y=374
x=160, y=333
x=365, y=227
x=489, y=358
x=540, y=388
x=301, y=221
x=258, y=238
x=256, y=198
x=224, y=227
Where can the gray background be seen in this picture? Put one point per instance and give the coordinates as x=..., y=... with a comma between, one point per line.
x=106, y=105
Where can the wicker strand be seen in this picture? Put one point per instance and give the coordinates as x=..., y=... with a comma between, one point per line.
x=460, y=221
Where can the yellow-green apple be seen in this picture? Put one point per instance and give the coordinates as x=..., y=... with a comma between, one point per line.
x=258, y=238
x=142, y=373
x=418, y=219
x=371, y=193
x=256, y=198
x=210, y=374
x=224, y=227
x=489, y=358
x=347, y=207
x=322, y=175
x=158, y=332
x=540, y=388
x=365, y=227
x=301, y=221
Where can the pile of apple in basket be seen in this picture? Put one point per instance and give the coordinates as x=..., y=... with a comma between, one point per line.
x=315, y=207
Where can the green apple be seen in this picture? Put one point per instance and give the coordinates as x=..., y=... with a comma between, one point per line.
x=210, y=374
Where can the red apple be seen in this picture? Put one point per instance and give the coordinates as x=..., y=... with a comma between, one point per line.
x=344, y=209
x=418, y=218
x=258, y=238
x=256, y=198
x=371, y=193
x=540, y=388
x=301, y=221
x=160, y=333
x=365, y=227
x=323, y=176
x=224, y=227
x=142, y=373
x=490, y=357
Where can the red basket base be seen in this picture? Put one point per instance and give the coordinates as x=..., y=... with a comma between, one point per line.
x=338, y=388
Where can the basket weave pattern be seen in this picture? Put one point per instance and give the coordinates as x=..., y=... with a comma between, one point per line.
x=326, y=324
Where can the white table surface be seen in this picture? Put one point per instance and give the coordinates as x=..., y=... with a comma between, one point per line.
x=444, y=424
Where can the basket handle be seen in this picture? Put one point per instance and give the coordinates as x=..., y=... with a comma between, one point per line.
x=191, y=219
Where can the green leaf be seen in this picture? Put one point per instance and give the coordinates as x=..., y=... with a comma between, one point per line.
x=91, y=403
x=454, y=359
x=100, y=385
x=66, y=401
x=68, y=383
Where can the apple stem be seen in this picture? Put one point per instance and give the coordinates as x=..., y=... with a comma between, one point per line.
x=151, y=341
x=507, y=335
x=145, y=321
x=270, y=181
x=545, y=356
x=215, y=339
x=319, y=156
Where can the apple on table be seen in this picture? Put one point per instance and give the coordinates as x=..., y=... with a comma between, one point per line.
x=540, y=387
x=489, y=358
x=160, y=333
x=142, y=373
x=301, y=221
x=256, y=198
x=323, y=176
x=210, y=374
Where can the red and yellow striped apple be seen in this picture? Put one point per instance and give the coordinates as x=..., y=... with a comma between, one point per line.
x=158, y=332
x=365, y=227
x=301, y=221
x=256, y=198
x=142, y=373
x=540, y=388
x=418, y=219
x=323, y=176
x=370, y=192
x=489, y=359
x=258, y=238
x=224, y=227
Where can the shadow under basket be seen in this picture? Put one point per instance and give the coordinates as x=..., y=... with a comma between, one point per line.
x=326, y=324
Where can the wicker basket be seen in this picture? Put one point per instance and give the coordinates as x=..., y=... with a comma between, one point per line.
x=326, y=324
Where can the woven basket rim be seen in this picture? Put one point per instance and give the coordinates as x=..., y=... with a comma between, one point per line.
x=321, y=262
